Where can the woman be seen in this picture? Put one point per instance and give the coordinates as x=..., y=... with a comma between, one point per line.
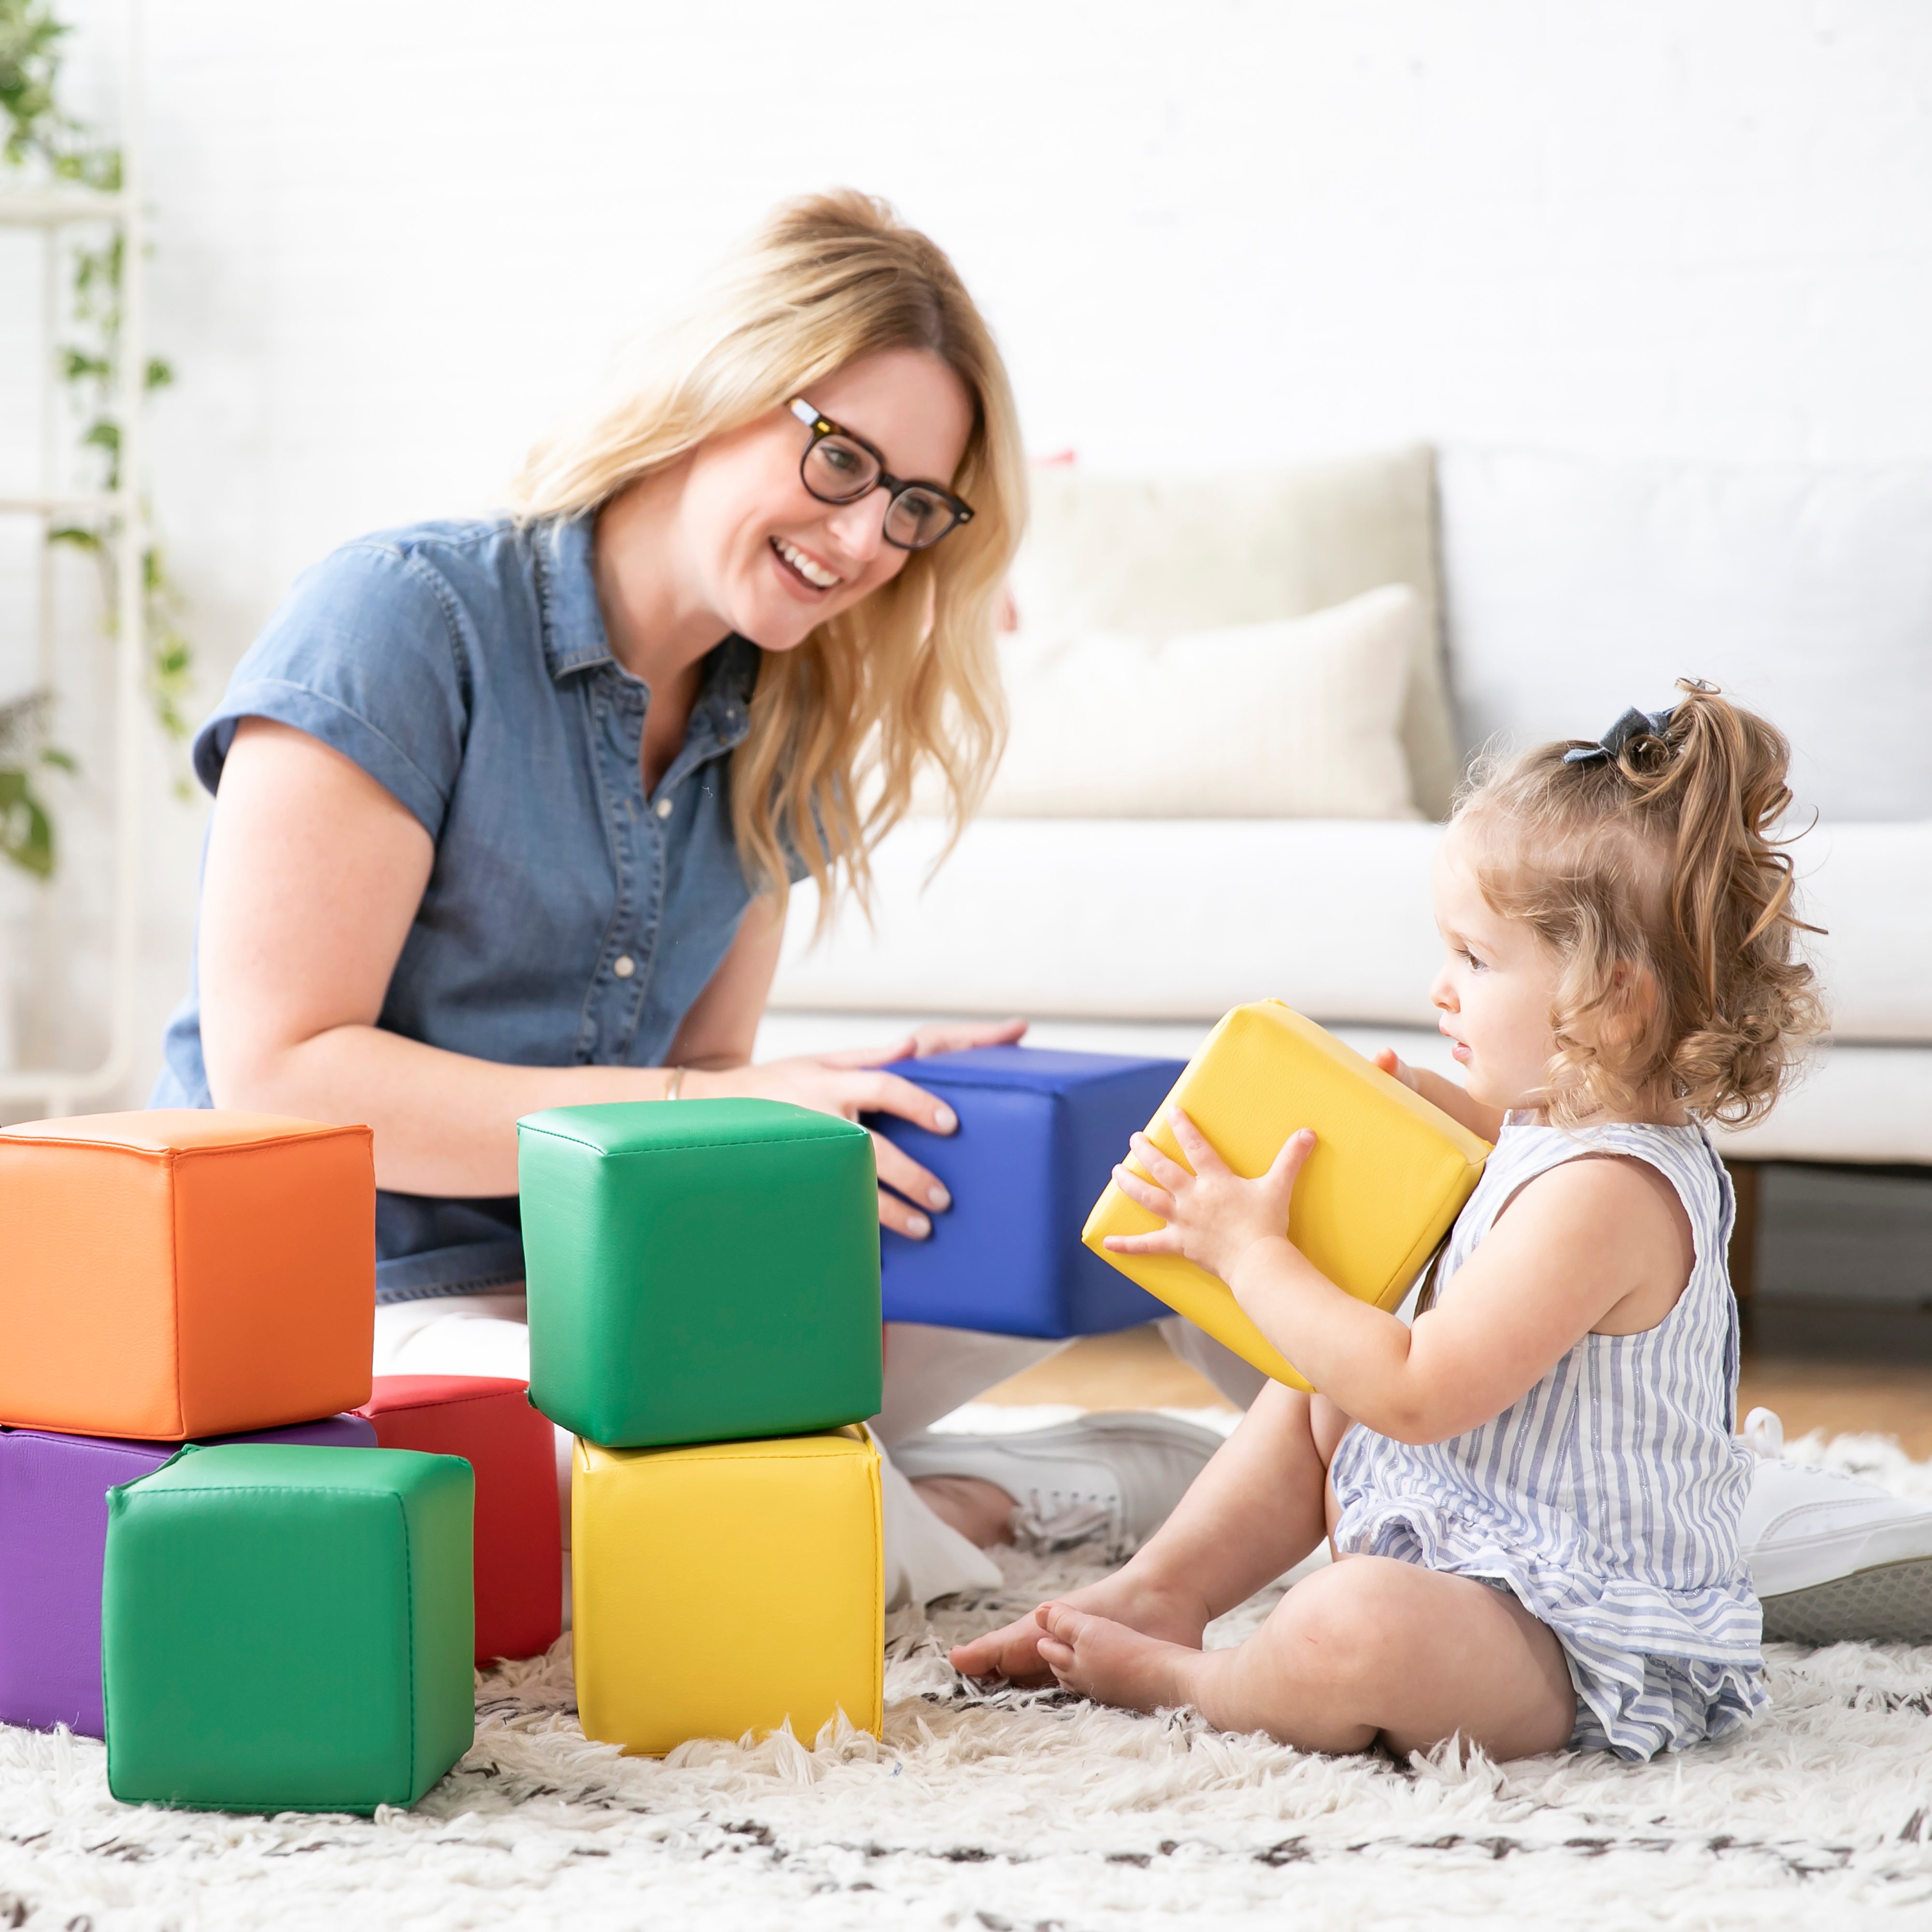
x=508, y=811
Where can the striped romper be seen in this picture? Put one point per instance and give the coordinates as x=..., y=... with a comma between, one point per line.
x=1607, y=1499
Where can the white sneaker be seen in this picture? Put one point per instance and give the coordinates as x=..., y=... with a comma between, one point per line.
x=1833, y=1560
x=1115, y=1475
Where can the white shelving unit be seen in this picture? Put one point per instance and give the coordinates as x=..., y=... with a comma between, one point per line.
x=52, y=210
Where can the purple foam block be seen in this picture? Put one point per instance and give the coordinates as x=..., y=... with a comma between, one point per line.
x=53, y=1540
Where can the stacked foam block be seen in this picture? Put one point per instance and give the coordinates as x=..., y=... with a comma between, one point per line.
x=510, y=1448
x=704, y=1292
x=202, y=1558
x=704, y=1284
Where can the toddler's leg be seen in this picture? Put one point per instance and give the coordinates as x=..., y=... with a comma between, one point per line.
x=1370, y=1647
x=1256, y=1510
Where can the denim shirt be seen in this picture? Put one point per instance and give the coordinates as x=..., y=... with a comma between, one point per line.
x=569, y=920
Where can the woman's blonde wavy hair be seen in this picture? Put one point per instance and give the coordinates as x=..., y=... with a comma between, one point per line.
x=1655, y=876
x=840, y=725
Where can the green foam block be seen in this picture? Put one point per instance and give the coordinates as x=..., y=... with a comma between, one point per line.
x=700, y=1270
x=289, y=1628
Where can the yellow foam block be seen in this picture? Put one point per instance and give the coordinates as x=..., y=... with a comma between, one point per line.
x=725, y=1587
x=1389, y=1173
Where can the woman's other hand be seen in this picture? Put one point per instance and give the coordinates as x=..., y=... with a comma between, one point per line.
x=852, y=1083
x=1213, y=1216
x=957, y=1036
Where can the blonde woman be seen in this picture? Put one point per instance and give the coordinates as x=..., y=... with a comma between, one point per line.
x=507, y=811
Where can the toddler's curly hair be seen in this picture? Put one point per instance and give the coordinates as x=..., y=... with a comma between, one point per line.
x=1655, y=874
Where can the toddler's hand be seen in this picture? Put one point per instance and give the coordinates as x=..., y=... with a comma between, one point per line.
x=1213, y=1216
x=1387, y=1061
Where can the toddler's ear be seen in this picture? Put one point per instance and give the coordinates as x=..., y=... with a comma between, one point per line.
x=1633, y=1011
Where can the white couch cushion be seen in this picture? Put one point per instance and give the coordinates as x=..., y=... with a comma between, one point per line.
x=1870, y=887
x=1576, y=587
x=1296, y=718
x=1173, y=920
x=1158, y=558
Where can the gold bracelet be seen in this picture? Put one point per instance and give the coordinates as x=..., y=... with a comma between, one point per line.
x=674, y=1086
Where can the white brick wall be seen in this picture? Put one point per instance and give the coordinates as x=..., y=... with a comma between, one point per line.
x=395, y=239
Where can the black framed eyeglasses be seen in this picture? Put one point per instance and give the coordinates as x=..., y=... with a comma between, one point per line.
x=839, y=467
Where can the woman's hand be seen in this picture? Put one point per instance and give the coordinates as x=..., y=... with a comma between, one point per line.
x=852, y=1083
x=957, y=1036
x=1213, y=1217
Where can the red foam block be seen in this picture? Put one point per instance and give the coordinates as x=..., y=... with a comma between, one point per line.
x=488, y=1421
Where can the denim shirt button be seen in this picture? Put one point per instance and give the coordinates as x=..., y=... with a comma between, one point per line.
x=664, y=808
x=624, y=966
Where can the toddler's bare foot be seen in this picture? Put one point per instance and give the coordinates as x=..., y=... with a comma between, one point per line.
x=1156, y=1610
x=1112, y=1664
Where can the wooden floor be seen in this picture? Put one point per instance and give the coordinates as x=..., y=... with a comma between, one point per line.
x=1134, y=1369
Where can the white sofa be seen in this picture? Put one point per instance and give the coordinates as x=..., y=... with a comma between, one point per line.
x=1569, y=589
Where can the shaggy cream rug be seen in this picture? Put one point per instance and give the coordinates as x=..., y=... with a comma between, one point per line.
x=1035, y=1811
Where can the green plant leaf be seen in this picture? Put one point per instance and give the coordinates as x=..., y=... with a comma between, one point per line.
x=73, y=534
x=29, y=62
x=26, y=832
x=161, y=373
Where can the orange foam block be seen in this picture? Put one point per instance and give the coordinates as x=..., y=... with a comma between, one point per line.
x=184, y=1273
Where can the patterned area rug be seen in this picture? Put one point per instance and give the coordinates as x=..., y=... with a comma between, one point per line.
x=1035, y=1810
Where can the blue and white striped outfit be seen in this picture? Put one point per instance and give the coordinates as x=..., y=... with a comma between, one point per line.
x=1607, y=1499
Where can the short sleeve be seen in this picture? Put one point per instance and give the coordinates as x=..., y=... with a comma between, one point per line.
x=366, y=655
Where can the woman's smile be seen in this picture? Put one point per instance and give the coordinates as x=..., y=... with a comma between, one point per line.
x=800, y=568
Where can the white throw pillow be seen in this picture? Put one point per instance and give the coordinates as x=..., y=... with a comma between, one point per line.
x=1160, y=557
x=1578, y=585
x=1294, y=719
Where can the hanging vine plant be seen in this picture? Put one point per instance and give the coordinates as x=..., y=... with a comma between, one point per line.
x=26, y=831
x=45, y=144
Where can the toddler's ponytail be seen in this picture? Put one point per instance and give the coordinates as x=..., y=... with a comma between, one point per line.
x=1731, y=906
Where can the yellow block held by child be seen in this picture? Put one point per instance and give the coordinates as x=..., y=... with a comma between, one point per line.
x=1388, y=1175
x=726, y=1587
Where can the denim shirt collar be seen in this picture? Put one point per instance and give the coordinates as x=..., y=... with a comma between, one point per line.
x=574, y=639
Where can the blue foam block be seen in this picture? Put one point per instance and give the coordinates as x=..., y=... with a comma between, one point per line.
x=1039, y=1132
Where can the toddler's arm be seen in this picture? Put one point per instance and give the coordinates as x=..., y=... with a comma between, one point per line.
x=1577, y=1245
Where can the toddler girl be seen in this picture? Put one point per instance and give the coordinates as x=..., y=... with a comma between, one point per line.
x=1534, y=1491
